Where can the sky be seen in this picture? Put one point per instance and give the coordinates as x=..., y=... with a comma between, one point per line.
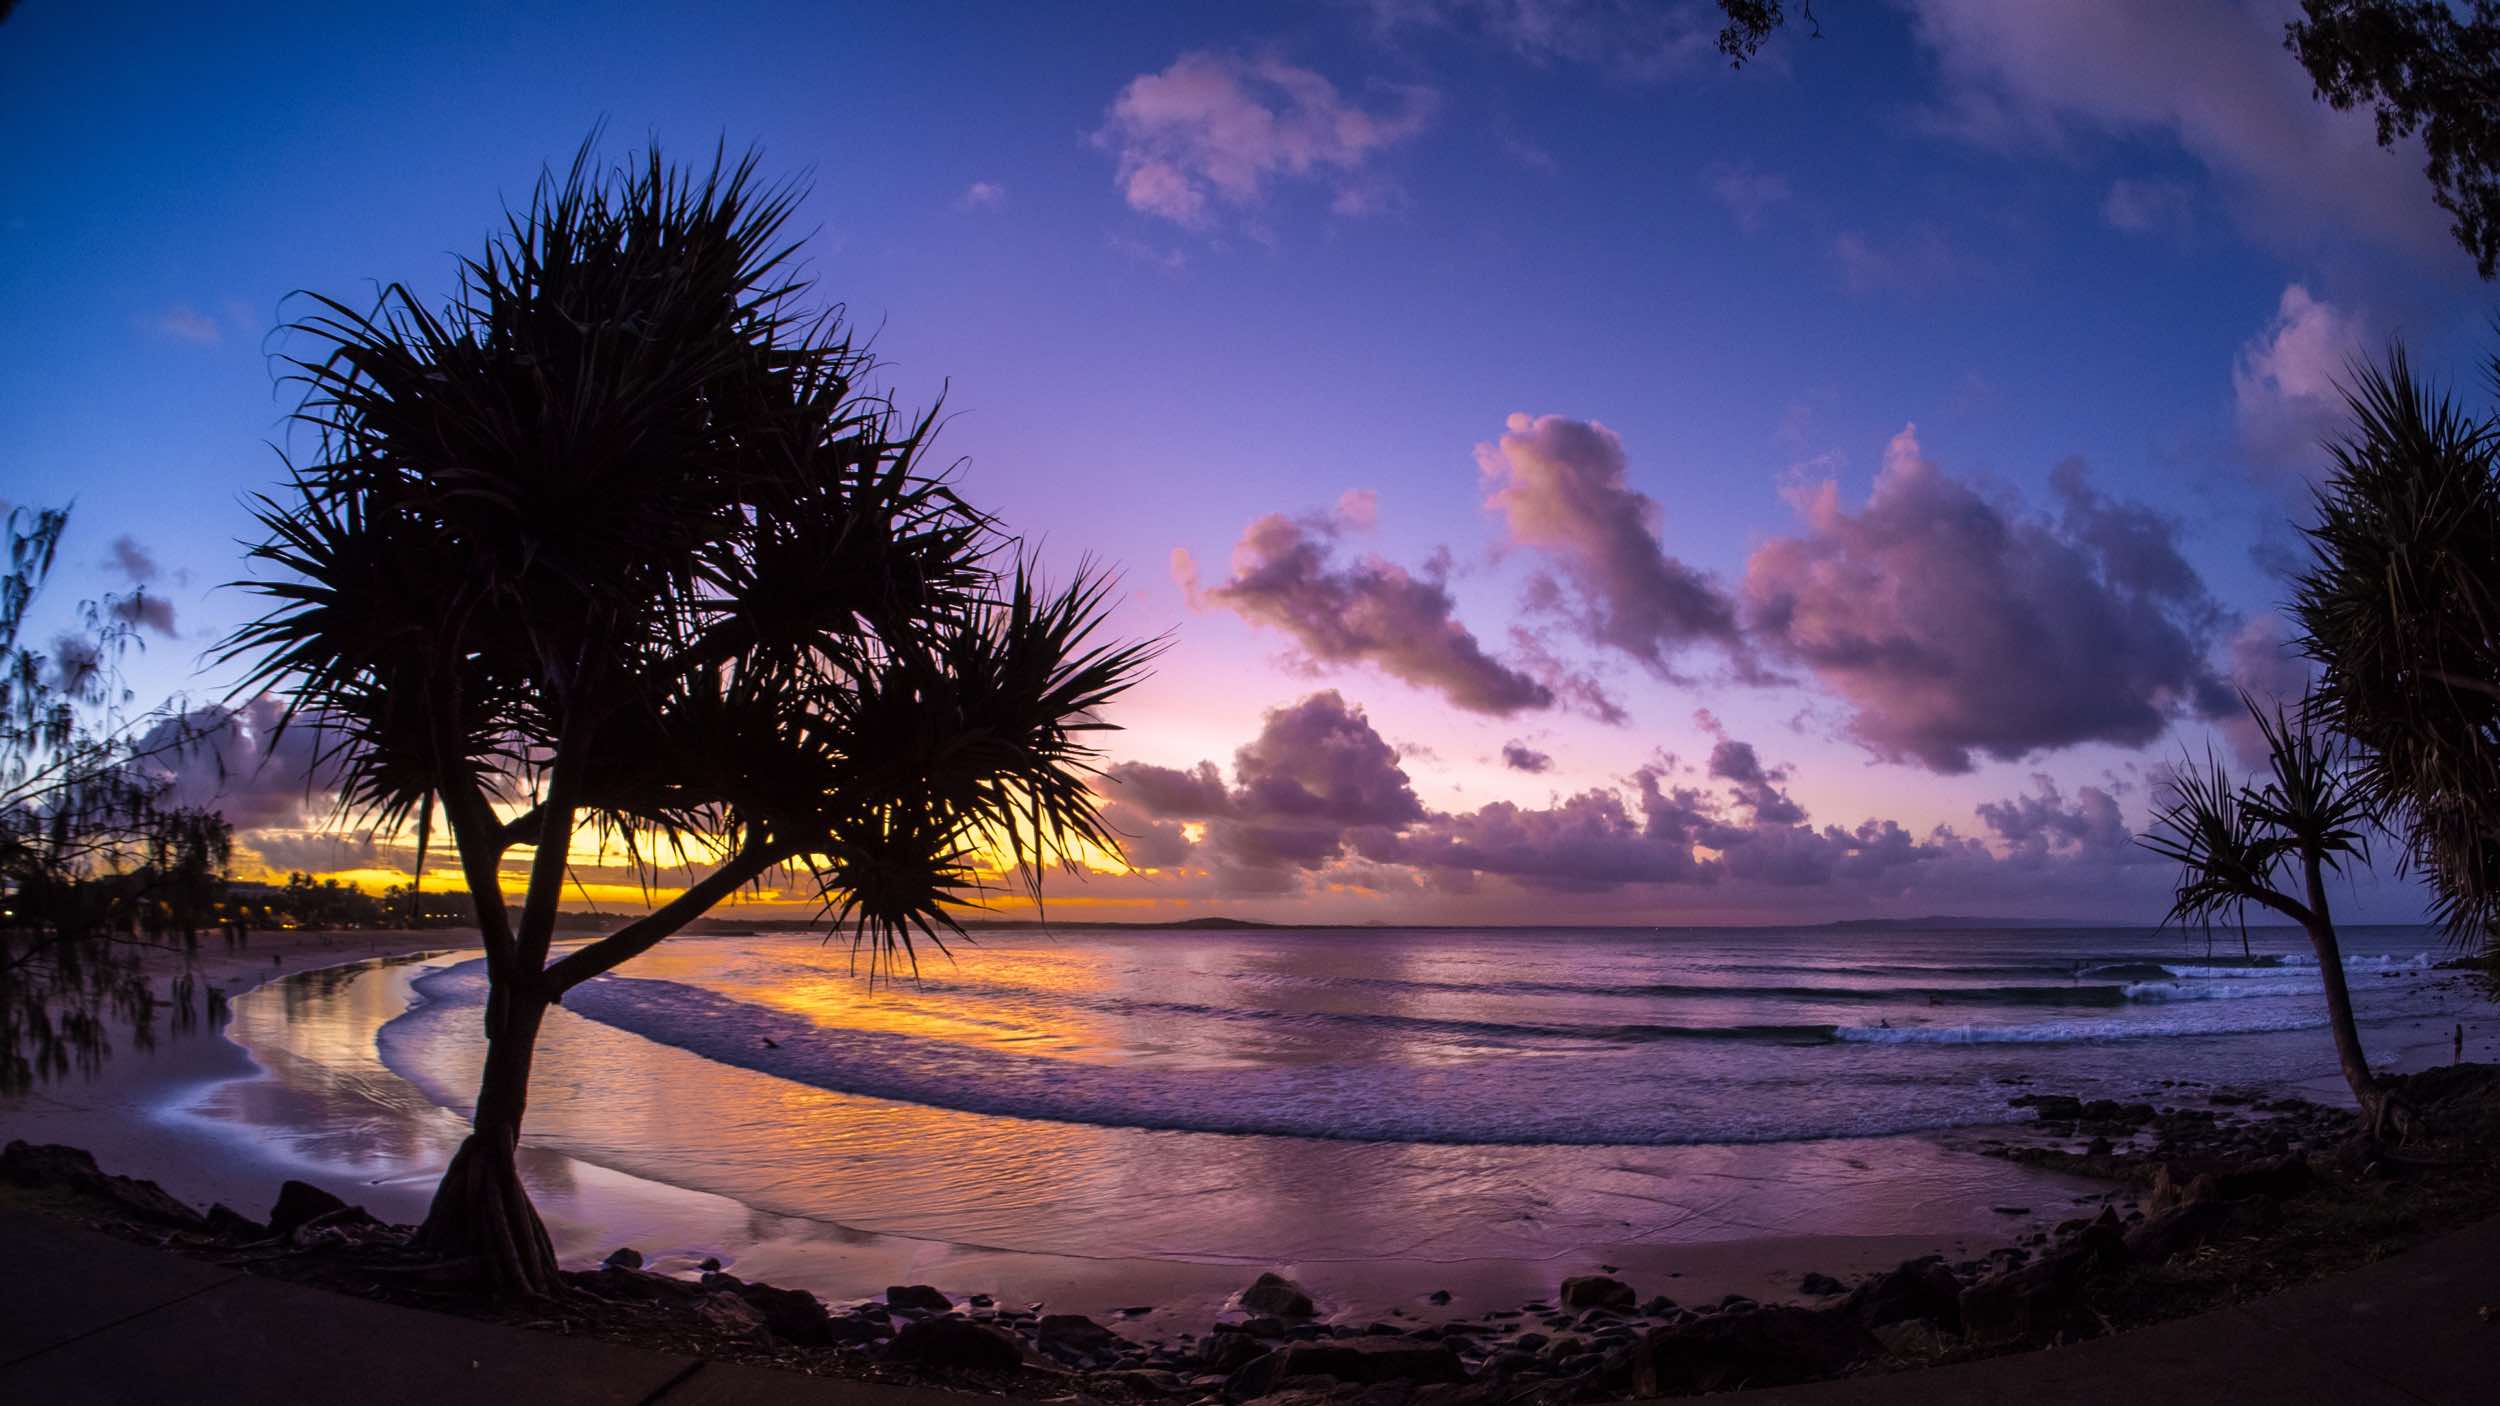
x=1578, y=482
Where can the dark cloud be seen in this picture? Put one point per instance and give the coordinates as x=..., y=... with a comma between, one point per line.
x=133, y=560
x=1756, y=789
x=1519, y=756
x=145, y=611
x=239, y=763
x=1560, y=487
x=1365, y=612
x=1952, y=625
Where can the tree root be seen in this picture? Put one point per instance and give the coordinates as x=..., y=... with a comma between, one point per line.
x=482, y=1215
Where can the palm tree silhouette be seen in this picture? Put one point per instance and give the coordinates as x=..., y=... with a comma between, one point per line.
x=616, y=546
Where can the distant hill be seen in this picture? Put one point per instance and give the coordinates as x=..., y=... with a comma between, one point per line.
x=1952, y=921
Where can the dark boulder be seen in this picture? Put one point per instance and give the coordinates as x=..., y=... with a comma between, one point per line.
x=1365, y=1360
x=227, y=1223
x=1920, y=1289
x=1228, y=1353
x=1821, y=1286
x=957, y=1343
x=623, y=1257
x=2283, y=1178
x=46, y=1164
x=2051, y=1108
x=1277, y=1295
x=1597, y=1291
x=1077, y=1333
x=919, y=1298
x=2040, y=1298
x=301, y=1203
x=793, y=1315
x=1767, y=1347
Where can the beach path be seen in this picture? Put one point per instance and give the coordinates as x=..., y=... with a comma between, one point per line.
x=89, y=1318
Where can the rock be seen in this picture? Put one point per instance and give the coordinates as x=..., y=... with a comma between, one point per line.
x=710, y=1264
x=1657, y=1305
x=729, y=1313
x=1913, y=1338
x=956, y=1343
x=1362, y=1360
x=2037, y=1299
x=1821, y=1286
x=1767, y=1347
x=793, y=1315
x=1230, y=1352
x=1077, y=1332
x=623, y=1257
x=2051, y=1108
x=1597, y=1291
x=2283, y=1178
x=1275, y=1294
x=1265, y=1325
x=2177, y=1227
x=1439, y=1296
x=634, y=1286
x=300, y=1203
x=919, y=1298
x=40, y=1164
x=1530, y=1342
x=1911, y=1291
x=227, y=1223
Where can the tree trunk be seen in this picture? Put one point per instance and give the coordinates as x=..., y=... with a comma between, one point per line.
x=481, y=1212
x=2381, y=1115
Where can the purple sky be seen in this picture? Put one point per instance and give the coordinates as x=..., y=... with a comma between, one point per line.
x=1580, y=482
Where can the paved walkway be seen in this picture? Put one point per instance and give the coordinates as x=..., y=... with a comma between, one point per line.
x=88, y=1318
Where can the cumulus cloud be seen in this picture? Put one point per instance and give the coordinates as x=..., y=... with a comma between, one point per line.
x=1318, y=797
x=2285, y=381
x=1285, y=574
x=981, y=195
x=1560, y=487
x=1216, y=131
x=1519, y=756
x=2043, y=822
x=2212, y=77
x=241, y=764
x=1747, y=193
x=1952, y=625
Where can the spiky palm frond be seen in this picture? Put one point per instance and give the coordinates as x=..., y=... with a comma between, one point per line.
x=2401, y=609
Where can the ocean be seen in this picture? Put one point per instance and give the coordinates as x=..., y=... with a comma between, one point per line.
x=1437, y=1096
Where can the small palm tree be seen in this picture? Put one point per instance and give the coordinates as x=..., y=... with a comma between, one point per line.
x=615, y=547
x=2242, y=843
x=2401, y=610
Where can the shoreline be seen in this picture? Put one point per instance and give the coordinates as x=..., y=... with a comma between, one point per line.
x=212, y=1122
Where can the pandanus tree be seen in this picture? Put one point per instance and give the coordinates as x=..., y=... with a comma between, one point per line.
x=2400, y=608
x=2272, y=843
x=615, y=549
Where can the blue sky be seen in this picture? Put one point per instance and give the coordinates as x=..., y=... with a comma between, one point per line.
x=1365, y=236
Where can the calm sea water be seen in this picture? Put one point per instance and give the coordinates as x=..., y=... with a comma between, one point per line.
x=1445, y=1094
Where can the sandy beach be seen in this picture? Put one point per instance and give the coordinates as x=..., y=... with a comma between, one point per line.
x=295, y=1087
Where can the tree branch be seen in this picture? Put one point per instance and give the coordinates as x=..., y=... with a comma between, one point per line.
x=645, y=933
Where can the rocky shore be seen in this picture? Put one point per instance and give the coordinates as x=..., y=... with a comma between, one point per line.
x=2214, y=1195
